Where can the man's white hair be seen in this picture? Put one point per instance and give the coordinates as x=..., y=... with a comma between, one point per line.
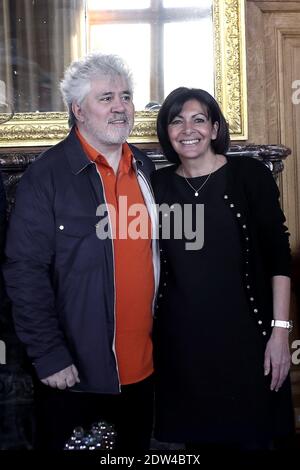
x=76, y=83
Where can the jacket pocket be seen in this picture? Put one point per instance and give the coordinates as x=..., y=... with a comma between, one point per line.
x=76, y=226
x=78, y=250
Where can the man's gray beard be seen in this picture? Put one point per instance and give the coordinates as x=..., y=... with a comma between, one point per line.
x=116, y=136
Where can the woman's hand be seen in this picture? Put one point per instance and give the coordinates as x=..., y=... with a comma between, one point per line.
x=277, y=357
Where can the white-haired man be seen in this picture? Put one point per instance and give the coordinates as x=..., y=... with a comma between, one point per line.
x=83, y=302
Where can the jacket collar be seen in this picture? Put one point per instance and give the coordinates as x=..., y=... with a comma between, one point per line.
x=77, y=158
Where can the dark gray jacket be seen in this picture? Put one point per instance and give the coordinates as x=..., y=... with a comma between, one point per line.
x=59, y=274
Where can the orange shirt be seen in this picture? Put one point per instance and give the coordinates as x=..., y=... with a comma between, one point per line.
x=134, y=276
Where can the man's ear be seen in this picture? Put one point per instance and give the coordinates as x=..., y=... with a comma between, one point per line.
x=77, y=111
x=215, y=130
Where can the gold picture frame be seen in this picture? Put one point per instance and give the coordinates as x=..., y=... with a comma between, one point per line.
x=45, y=129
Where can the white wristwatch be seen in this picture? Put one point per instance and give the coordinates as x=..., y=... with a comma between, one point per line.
x=283, y=324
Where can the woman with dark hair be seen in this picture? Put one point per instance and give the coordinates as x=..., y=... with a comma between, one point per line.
x=222, y=322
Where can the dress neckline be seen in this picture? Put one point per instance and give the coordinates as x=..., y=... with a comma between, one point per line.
x=198, y=177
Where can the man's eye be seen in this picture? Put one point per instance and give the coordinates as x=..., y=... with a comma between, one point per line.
x=105, y=98
x=127, y=98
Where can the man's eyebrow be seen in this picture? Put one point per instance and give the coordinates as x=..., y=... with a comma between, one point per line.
x=104, y=93
x=108, y=93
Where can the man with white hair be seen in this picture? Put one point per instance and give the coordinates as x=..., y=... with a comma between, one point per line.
x=83, y=297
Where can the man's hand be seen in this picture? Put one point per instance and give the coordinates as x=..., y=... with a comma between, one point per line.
x=62, y=379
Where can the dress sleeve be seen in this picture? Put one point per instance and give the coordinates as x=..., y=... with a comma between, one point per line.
x=269, y=219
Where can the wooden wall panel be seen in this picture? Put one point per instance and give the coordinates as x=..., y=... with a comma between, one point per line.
x=273, y=64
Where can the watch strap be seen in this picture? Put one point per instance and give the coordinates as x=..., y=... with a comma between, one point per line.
x=282, y=324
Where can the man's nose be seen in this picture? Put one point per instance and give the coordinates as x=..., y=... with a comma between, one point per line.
x=118, y=105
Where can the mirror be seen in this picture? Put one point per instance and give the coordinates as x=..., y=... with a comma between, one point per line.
x=167, y=43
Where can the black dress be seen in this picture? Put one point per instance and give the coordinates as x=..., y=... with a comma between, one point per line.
x=210, y=376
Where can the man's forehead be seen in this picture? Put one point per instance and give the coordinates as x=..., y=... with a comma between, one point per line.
x=109, y=84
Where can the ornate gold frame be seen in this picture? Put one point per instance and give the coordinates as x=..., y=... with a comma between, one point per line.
x=44, y=129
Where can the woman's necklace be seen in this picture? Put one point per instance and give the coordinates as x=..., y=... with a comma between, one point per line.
x=196, y=191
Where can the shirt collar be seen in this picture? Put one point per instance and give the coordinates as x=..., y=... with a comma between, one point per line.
x=126, y=162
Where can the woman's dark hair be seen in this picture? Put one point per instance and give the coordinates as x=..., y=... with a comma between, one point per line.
x=173, y=105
